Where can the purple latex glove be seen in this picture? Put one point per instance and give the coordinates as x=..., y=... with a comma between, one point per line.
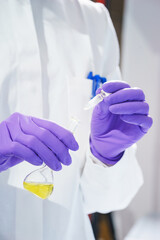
x=36, y=141
x=119, y=121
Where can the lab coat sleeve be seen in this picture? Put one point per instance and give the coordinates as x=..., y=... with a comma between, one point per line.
x=104, y=188
x=107, y=189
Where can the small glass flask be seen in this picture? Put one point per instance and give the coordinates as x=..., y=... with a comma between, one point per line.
x=41, y=181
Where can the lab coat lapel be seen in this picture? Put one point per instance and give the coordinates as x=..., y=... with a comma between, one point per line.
x=68, y=70
x=23, y=95
x=28, y=74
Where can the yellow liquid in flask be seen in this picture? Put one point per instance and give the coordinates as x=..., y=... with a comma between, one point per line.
x=41, y=190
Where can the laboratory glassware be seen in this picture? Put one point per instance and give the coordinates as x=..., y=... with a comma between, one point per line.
x=41, y=181
x=97, y=99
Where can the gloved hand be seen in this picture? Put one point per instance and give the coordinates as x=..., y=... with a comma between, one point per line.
x=34, y=140
x=119, y=121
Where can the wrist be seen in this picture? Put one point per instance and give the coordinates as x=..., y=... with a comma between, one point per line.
x=110, y=161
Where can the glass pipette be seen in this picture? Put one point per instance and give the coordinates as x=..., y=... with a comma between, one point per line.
x=41, y=181
x=97, y=99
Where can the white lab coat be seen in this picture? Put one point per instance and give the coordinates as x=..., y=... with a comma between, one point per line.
x=47, y=49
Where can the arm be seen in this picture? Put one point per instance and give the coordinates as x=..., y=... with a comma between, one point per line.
x=36, y=141
x=112, y=138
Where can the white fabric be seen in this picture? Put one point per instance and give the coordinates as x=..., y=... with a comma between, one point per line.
x=107, y=188
x=146, y=228
x=141, y=68
x=47, y=49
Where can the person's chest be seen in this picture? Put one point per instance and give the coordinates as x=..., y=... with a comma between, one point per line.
x=47, y=54
x=47, y=61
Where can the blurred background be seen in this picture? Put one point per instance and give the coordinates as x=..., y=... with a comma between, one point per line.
x=138, y=28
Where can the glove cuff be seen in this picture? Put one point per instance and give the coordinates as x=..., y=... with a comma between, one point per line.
x=107, y=161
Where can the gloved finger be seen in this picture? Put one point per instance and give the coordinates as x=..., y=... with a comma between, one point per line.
x=130, y=108
x=10, y=162
x=126, y=94
x=145, y=122
x=25, y=153
x=114, y=86
x=98, y=90
x=34, y=144
x=2, y=169
x=3, y=159
x=57, y=147
x=4, y=166
x=49, y=140
x=40, y=149
x=53, y=163
x=62, y=134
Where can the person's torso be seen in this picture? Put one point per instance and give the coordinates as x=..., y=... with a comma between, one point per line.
x=46, y=56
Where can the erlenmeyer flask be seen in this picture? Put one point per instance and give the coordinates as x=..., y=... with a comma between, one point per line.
x=41, y=181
